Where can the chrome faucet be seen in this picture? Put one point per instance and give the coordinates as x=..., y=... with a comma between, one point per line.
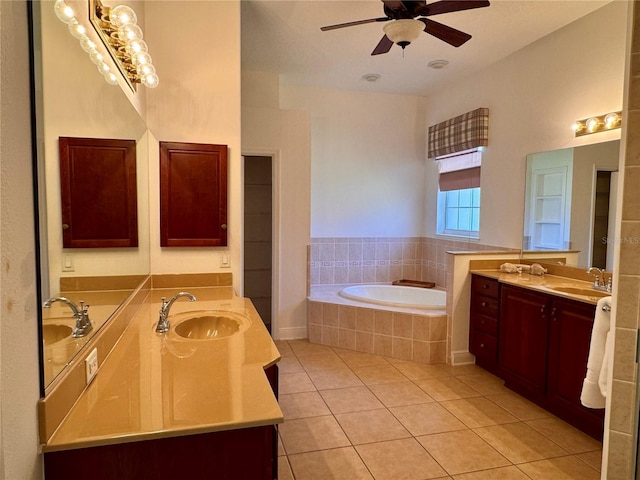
x=81, y=314
x=600, y=283
x=163, y=321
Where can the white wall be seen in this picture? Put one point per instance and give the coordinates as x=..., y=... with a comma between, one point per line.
x=367, y=164
x=533, y=97
x=286, y=136
x=19, y=364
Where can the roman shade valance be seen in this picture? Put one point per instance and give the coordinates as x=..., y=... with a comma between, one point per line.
x=464, y=132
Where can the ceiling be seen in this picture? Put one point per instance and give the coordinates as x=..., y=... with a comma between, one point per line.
x=284, y=37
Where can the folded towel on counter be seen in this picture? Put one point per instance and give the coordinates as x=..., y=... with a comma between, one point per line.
x=594, y=387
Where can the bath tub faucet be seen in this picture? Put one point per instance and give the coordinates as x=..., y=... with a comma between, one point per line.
x=163, y=321
x=81, y=314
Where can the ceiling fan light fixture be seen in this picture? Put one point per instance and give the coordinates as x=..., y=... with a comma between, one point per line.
x=403, y=32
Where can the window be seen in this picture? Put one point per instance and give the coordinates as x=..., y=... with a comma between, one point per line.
x=458, y=212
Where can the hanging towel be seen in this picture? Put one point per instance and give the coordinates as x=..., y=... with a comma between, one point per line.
x=594, y=387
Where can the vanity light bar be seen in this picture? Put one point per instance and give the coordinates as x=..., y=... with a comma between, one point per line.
x=66, y=14
x=120, y=33
x=600, y=123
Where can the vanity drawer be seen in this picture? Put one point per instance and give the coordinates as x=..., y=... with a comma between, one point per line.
x=485, y=324
x=484, y=347
x=485, y=286
x=485, y=306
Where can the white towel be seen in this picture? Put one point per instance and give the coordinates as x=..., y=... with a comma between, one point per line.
x=594, y=387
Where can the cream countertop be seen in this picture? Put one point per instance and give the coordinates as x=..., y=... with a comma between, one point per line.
x=155, y=386
x=545, y=283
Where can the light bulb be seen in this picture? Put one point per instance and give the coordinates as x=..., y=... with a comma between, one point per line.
x=122, y=15
x=150, y=80
x=103, y=68
x=611, y=120
x=130, y=32
x=96, y=57
x=111, y=78
x=141, y=58
x=592, y=124
x=136, y=46
x=87, y=45
x=146, y=69
x=63, y=11
x=577, y=126
x=77, y=29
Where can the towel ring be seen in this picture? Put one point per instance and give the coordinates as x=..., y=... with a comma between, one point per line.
x=606, y=308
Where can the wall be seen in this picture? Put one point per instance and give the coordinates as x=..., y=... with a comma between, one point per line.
x=198, y=100
x=284, y=135
x=367, y=162
x=533, y=97
x=19, y=363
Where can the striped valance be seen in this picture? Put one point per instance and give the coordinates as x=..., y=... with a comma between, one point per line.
x=470, y=130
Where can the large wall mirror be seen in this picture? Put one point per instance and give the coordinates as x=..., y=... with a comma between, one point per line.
x=570, y=202
x=73, y=100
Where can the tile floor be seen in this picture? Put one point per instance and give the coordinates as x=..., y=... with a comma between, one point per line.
x=352, y=416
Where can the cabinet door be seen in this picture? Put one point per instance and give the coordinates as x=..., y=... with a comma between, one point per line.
x=193, y=195
x=570, y=338
x=524, y=329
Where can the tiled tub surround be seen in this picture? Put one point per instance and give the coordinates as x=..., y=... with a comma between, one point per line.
x=402, y=333
x=335, y=261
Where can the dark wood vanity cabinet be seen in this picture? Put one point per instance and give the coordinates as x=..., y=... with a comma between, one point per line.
x=483, y=332
x=542, y=348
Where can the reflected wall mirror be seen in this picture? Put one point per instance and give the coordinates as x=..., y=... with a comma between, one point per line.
x=73, y=100
x=570, y=200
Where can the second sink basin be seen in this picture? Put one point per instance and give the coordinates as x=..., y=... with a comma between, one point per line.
x=53, y=333
x=587, y=292
x=208, y=325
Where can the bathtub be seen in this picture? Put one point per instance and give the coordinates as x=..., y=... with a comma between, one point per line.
x=398, y=296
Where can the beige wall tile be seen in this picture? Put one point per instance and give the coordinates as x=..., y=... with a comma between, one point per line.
x=383, y=322
x=402, y=325
x=631, y=194
x=623, y=406
x=421, y=351
x=314, y=332
x=627, y=304
x=625, y=359
x=347, y=339
x=421, y=325
x=347, y=317
x=633, y=129
x=629, y=248
x=364, y=319
x=438, y=352
x=401, y=348
x=315, y=312
x=331, y=336
x=438, y=328
x=382, y=345
x=620, y=459
x=331, y=314
x=364, y=342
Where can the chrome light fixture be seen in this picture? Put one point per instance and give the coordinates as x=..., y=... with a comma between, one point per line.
x=120, y=33
x=599, y=123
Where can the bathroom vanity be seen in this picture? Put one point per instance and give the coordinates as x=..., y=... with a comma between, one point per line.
x=167, y=406
x=531, y=333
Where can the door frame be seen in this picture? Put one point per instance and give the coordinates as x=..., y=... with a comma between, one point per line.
x=275, y=230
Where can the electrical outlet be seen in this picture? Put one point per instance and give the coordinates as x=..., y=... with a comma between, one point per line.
x=91, y=365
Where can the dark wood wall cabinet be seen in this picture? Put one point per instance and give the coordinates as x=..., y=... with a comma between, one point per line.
x=98, y=192
x=193, y=195
x=538, y=343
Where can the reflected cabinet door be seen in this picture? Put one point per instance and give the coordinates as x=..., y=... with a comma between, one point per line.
x=193, y=195
x=98, y=192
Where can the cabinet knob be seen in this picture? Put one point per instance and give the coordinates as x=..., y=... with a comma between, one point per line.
x=542, y=308
x=485, y=285
x=65, y=226
x=482, y=345
x=223, y=226
x=482, y=322
x=484, y=304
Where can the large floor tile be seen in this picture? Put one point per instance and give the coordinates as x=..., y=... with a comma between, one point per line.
x=284, y=469
x=561, y=468
x=295, y=383
x=593, y=459
x=352, y=399
x=485, y=383
x=375, y=374
x=502, y=473
x=340, y=378
x=427, y=418
x=336, y=464
x=446, y=388
x=309, y=434
x=478, y=412
x=519, y=442
x=462, y=451
x=300, y=405
x=399, y=460
x=401, y=393
x=568, y=437
x=519, y=406
x=321, y=361
x=359, y=359
x=303, y=347
x=417, y=371
x=371, y=426
x=290, y=365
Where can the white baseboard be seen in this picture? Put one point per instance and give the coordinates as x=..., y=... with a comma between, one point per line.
x=462, y=357
x=292, y=333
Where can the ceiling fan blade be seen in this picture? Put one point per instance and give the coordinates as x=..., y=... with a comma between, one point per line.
x=383, y=46
x=443, y=32
x=351, y=24
x=446, y=6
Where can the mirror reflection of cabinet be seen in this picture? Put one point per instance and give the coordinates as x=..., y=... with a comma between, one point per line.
x=98, y=193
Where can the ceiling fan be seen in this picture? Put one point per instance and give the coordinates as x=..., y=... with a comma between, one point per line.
x=405, y=27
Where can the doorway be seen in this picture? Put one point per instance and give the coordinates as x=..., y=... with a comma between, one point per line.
x=604, y=218
x=258, y=234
